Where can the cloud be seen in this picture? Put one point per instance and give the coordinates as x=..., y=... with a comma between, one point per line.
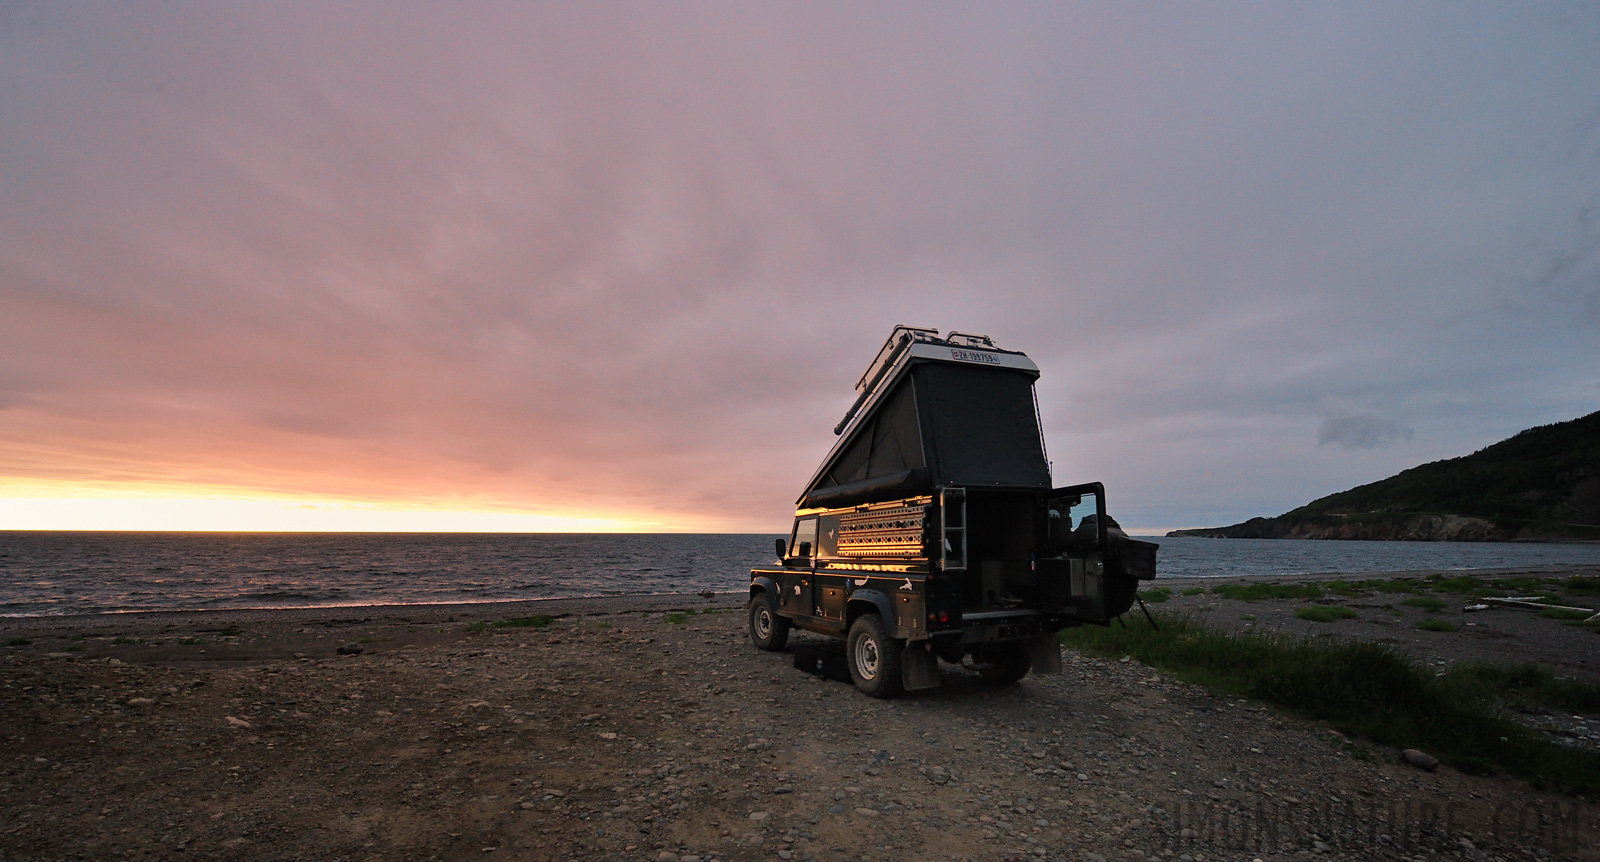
x=1358, y=431
x=631, y=261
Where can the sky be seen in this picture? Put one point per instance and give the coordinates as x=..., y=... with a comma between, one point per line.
x=618, y=266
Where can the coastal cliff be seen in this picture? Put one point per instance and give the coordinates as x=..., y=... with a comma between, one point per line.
x=1541, y=485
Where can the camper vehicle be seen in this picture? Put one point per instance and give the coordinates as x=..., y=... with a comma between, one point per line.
x=931, y=530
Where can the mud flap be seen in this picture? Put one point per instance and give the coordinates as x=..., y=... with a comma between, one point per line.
x=919, y=667
x=1044, y=654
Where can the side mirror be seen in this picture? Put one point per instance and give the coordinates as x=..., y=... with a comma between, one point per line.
x=805, y=550
x=783, y=548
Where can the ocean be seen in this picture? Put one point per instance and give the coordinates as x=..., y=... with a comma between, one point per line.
x=51, y=573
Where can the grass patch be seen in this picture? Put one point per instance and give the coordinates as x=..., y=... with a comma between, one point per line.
x=191, y=641
x=476, y=627
x=1462, y=585
x=1581, y=585
x=126, y=641
x=1346, y=588
x=1252, y=592
x=1324, y=614
x=677, y=617
x=537, y=621
x=1427, y=603
x=1369, y=690
x=1194, y=591
x=1523, y=687
x=1433, y=625
x=18, y=642
x=1565, y=614
x=1249, y=618
x=1159, y=594
x=1396, y=585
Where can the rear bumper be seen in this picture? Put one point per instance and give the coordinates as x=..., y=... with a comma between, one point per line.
x=993, y=626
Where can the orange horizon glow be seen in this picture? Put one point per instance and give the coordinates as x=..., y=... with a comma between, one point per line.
x=136, y=509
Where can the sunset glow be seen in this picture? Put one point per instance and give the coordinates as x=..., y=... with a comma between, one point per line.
x=595, y=267
x=286, y=515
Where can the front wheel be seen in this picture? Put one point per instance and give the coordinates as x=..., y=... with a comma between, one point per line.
x=874, y=658
x=768, y=631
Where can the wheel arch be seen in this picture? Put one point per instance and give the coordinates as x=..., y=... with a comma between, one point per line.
x=873, y=602
x=762, y=584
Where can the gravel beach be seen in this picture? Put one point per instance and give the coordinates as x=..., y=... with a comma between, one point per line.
x=632, y=729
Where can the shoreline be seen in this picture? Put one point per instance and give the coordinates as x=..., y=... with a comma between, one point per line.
x=584, y=604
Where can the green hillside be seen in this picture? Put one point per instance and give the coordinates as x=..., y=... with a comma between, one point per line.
x=1543, y=483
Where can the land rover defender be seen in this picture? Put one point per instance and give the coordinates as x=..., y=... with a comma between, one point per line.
x=931, y=530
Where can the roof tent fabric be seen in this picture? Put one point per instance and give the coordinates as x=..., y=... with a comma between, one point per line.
x=942, y=424
x=886, y=442
x=979, y=426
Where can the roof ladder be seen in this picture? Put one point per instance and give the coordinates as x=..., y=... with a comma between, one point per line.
x=953, y=524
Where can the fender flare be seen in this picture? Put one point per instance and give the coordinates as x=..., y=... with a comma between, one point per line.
x=879, y=602
x=762, y=583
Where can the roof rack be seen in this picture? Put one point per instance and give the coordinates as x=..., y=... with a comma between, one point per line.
x=888, y=355
x=893, y=351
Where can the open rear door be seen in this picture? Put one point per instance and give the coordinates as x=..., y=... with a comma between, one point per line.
x=1069, y=568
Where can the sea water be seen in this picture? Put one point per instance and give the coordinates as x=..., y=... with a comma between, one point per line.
x=47, y=573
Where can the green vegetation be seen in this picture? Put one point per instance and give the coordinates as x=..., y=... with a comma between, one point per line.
x=1524, y=687
x=1396, y=585
x=1581, y=586
x=1252, y=592
x=1372, y=691
x=1565, y=614
x=476, y=627
x=1433, y=625
x=1194, y=591
x=1324, y=613
x=538, y=621
x=1463, y=585
x=1249, y=618
x=677, y=617
x=1159, y=594
x=191, y=641
x=126, y=641
x=18, y=642
x=1427, y=603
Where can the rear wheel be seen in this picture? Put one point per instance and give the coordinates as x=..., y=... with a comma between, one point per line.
x=1005, y=664
x=874, y=658
x=768, y=631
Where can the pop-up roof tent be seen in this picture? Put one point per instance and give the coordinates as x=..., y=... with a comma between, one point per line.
x=935, y=411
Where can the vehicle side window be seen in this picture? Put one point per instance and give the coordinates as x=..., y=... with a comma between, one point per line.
x=805, y=539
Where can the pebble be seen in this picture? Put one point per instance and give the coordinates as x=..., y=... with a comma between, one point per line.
x=759, y=816
x=667, y=856
x=867, y=812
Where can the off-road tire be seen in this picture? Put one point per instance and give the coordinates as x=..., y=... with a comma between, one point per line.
x=874, y=658
x=1006, y=665
x=768, y=631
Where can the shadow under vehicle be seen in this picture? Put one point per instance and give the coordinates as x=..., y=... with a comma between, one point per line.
x=931, y=531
